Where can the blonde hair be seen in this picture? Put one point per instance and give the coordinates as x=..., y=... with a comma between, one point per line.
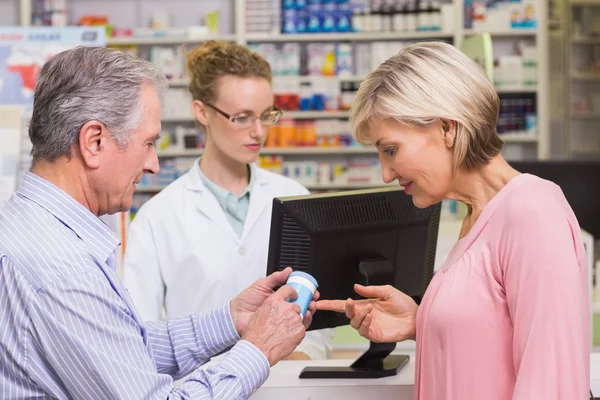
x=426, y=82
x=207, y=63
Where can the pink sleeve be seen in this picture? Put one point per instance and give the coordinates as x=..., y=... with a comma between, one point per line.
x=548, y=300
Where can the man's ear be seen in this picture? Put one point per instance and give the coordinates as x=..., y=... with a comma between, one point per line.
x=92, y=141
x=200, y=112
x=449, y=132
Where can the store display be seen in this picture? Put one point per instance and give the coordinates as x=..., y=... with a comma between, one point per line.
x=327, y=16
x=495, y=16
x=314, y=134
x=517, y=114
x=49, y=13
x=324, y=173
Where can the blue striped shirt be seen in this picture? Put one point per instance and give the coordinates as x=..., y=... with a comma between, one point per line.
x=69, y=330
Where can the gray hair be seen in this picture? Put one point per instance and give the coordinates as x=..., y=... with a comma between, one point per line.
x=85, y=84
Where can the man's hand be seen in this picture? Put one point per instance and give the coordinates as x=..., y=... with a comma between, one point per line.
x=246, y=303
x=298, y=355
x=276, y=328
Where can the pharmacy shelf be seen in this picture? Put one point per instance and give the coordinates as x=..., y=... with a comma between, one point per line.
x=587, y=115
x=347, y=186
x=346, y=37
x=283, y=151
x=318, y=151
x=318, y=186
x=584, y=40
x=508, y=33
x=306, y=78
x=286, y=114
x=589, y=152
x=164, y=40
x=316, y=114
x=585, y=3
x=179, y=82
x=285, y=78
x=517, y=89
x=519, y=137
x=578, y=76
x=178, y=119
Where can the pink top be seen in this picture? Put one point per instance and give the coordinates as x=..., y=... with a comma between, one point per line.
x=508, y=316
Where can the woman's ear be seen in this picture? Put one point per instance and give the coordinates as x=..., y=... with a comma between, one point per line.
x=449, y=132
x=200, y=112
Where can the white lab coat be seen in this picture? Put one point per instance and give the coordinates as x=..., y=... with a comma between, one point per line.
x=183, y=253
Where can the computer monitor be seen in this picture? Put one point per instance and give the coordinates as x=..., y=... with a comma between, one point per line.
x=580, y=183
x=371, y=237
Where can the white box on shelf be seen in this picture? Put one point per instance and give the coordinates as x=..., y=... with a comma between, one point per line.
x=447, y=17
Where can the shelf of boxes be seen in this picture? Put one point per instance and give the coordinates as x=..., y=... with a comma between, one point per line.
x=346, y=37
x=585, y=2
x=514, y=137
x=594, y=41
x=579, y=76
x=312, y=187
x=299, y=115
x=280, y=151
x=367, y=44
x=504, y=33
x=316, y=114
x=585, y=115
x=165, y=40
x=519, y=137
x=582, y=100
x=516, y=89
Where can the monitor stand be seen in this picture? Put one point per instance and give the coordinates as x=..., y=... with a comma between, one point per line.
x=376, y=362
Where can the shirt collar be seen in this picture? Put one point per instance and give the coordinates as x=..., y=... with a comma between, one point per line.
x=222, y=194
x=101, y=240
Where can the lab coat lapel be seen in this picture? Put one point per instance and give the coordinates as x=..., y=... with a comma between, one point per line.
x=259, y=199
x=207, y=204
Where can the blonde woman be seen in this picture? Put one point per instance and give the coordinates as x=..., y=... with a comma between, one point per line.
x=507, y=316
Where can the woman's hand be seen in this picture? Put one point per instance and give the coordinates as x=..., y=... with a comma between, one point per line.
x=387, y=315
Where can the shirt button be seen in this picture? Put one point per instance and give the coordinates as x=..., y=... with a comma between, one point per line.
x=242, y=251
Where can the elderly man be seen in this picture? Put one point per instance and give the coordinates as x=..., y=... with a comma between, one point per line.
x=67, y=327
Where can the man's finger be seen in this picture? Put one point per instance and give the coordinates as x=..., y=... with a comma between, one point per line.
x=308, y=316
x=285, y=292
x=278, y=278
x=312, y=307
x=331, y=305
x=316, y=295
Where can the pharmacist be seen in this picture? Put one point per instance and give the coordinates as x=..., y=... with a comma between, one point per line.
x=205, y=237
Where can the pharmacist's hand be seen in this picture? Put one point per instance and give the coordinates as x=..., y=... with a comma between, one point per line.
x=246, y=303
x=276, y=328
x=387, y=315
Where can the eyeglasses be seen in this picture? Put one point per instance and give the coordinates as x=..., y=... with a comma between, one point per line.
x=246, y=120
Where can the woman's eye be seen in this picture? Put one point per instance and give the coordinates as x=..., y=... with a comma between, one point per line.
x=390, y=151
x=242, y=118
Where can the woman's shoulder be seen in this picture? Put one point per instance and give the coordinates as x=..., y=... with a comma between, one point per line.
x=533, y=200
x=283, y=185
x=530, y=192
